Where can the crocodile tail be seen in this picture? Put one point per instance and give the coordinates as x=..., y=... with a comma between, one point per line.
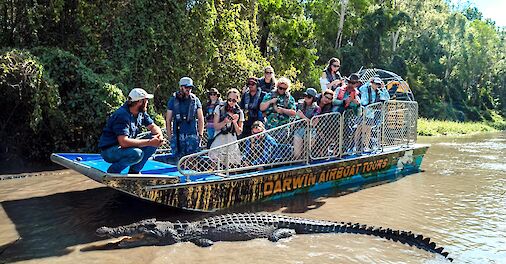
x=404, y=237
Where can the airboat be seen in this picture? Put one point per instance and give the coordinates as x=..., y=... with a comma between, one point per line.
x=340, y=151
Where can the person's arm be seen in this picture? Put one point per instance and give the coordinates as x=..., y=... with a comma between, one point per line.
x=300, y=114
x=168, y=124
x=324, y=82
x=200, y=124
x=155, y=130
x=384, y=95
x=237, y=127
x=237, y=121
x=290, y=111
x=266, y=103
x=126, y=142
x=217, y=124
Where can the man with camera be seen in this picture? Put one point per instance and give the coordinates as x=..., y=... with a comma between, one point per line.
x=184, y=109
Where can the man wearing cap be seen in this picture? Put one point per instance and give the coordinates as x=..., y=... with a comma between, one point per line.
x=183, y=111
x=370, y=93
x=250, y=103
x=118, y=143
x=348, y=95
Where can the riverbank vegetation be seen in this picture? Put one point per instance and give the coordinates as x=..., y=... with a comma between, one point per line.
x=431, y=127
x=65, y=65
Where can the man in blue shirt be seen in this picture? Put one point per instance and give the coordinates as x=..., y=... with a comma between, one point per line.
x=118, y=143
x=183, y=109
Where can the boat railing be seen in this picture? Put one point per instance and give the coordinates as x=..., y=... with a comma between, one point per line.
x=333, y=135
x=285, y=144
x=325, y=138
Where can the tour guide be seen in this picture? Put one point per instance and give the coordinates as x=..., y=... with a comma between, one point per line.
x=118, y=142
x=182, y=109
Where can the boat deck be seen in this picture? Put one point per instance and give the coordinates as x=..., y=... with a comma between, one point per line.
x=160, y=170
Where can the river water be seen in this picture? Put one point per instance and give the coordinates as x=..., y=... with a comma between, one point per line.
x=459, y=200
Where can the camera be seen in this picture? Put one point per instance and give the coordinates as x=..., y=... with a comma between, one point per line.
x=230, y=117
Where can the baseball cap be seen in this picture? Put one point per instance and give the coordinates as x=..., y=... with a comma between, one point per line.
x=376, y=80
x=138, y=94
x=311, y=92
x=186, y=81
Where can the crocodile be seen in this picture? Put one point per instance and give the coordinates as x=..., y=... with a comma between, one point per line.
x=247, y=226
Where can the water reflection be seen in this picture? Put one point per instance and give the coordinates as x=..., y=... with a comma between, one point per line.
x=459, y=201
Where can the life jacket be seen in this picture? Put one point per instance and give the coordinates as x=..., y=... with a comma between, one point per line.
x=211, y=106
x=331, y=77
x=185, y=116
x=369, y=90
x=251, y=104
x=223, y=114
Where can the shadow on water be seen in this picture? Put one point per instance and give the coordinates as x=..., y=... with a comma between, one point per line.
x=50, y=225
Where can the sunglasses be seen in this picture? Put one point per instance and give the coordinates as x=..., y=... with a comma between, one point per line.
x=308, y=96
x=353, y=82
x=329, y=97
x=232, y=100
x=213, y=94
x=269, y=72
x=251, y=83
x=336, y=65
x=187, y=87
x=282, y=88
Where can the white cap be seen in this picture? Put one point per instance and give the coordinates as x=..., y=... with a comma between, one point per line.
x=377, y=80
x=186, y=81
x=138, y=94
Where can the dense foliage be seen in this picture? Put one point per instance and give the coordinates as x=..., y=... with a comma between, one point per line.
x=65, y=65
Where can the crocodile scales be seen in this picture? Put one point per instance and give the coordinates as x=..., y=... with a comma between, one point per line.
x=241, y=227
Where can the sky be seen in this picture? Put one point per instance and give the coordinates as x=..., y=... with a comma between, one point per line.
x=493, y=9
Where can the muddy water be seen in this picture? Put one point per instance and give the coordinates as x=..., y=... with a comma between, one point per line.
x=459, y=201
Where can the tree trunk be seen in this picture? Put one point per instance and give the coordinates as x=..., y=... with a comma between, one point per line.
x=264, y=37
x=341, y=14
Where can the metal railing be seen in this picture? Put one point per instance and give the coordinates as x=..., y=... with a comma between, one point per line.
x=281, y=145
x=327, y=136
x=327, y=141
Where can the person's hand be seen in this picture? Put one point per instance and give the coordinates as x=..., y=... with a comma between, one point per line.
x=279, y=110
x=274, y=100
x=227, y=120
x=235, y=118
x=155, y=142
x=336, y=82
x=244, y=89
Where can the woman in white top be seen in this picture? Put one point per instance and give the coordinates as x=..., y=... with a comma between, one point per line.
x=228, y=124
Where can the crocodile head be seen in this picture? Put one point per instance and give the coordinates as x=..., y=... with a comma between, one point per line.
x=145, y=232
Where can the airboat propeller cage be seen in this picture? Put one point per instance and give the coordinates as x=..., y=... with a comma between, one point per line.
x=396, y=86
